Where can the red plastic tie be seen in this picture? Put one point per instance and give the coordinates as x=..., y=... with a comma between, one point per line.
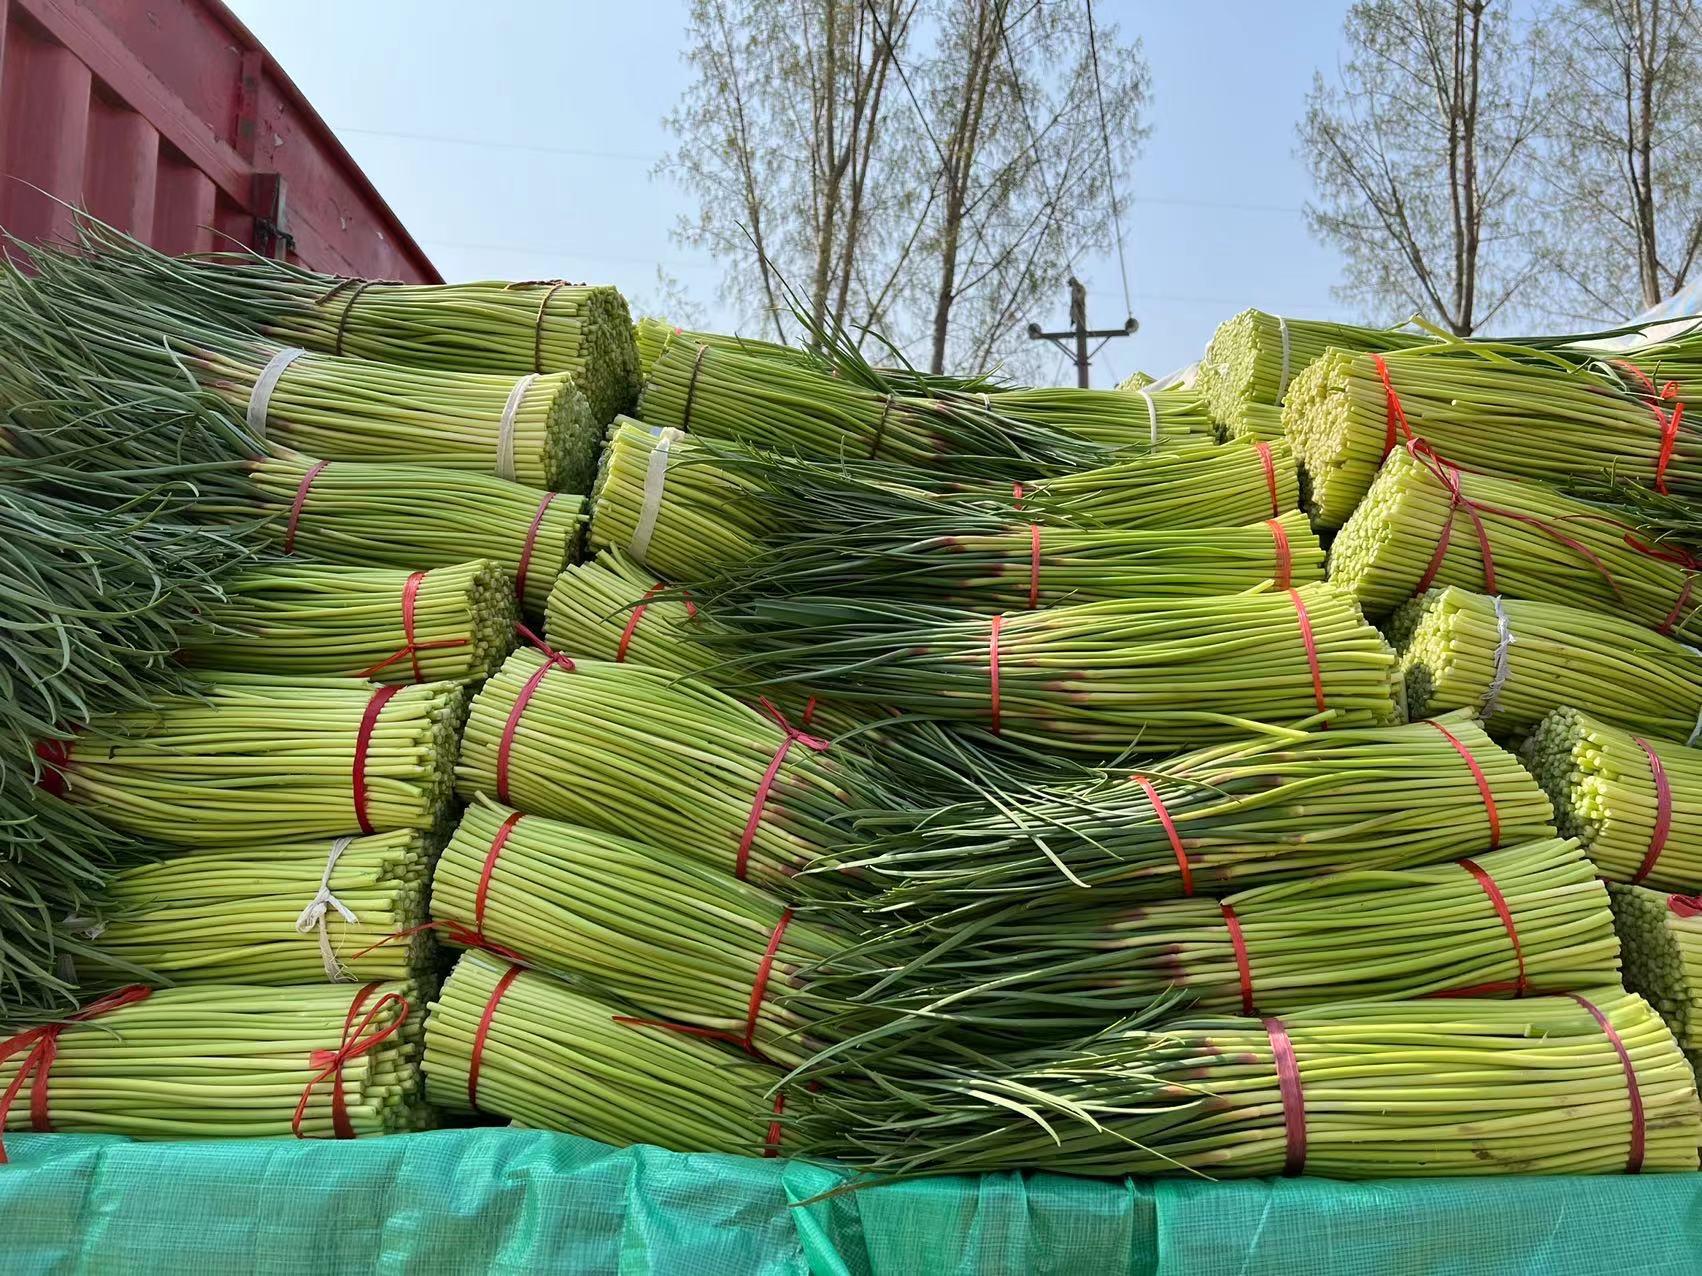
x=1293, y=1098
x=363, y=742
x=1679, y=557
x=1311, y=648
x=458, y=933
x=357, y=1041
x=477, y=1059
x=790, y=735
x=483, y=893
x=1016, y=496
x=759, y=986
x=1520, y=986
x=1396, y=413
x=297, y=504
x=1264, y=450
x=56, y=757
x=42, y=1042
x=1483, y=788
x=1634, y=1152
x=341, y=1126
x=1284, y=554
x=638, y=614
x=410, y=648
x=1668, y=421
x=1033, y=566
x=1169, y=824
x=1449, y=476
x=1243, y=967
x=771, y=1147
x=1663, y=812
x=552, y=660
x=530, y=545
x=1686, y=906
x=993, y=668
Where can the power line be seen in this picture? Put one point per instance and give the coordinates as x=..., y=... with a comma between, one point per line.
x=1110, y=168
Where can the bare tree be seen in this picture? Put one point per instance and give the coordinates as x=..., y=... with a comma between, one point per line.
x=1420, y=155
x=1622, y=99
x=934, y=178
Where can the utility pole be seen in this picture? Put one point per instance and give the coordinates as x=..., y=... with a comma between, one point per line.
x=1080, y=333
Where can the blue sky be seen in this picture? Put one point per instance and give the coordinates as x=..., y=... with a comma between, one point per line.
x=516, y=139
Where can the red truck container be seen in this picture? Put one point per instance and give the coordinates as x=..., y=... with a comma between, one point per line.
x=169, y=120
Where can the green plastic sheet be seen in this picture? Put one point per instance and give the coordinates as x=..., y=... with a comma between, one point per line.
x=503, y=1200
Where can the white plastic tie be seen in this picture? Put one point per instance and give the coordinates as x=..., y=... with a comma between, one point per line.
x=505, y=435
x=314, y=914
x=260, y=397
x=1282, y=385
x=1151, y=412
x=1498, y=677
x=655, y=480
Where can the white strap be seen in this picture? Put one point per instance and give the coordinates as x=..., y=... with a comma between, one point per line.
x=505, y=436
x=1282, y=385
x=314, y=914
x=260, y=397
x=1695, y=731
x=1498, y=678
x=655, y=479
x=1151, y=412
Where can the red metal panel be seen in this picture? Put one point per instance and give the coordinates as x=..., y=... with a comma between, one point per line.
x=169, y=120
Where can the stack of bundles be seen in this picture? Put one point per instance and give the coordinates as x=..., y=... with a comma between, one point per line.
x=1515, y=661
x=444, y=625
x=1535, y=417
x=1635, y=803
x=489, y=327
x=663, y=501
x=610, y=608
x=418, y=518
x=273, y=913
x=253, y=758
x=1123, y=420
x=675, y=936
x=1096, y=678
x=691, y=512
x=988, y=564
x=537, y=429
x=1255, y=357
x=1530, y=918
x=1277, y=806
x=728, y=394
x=1426, y=523
x=629, y=750
x=509, y=1042
x=225, y=1061
x=1586, y=1083
x=1661, y=936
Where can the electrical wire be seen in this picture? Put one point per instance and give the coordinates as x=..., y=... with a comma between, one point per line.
x=1110, y=167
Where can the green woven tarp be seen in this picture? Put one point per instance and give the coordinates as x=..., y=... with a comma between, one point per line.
x=522, y=1201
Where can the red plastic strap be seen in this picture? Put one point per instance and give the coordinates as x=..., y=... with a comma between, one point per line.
x=1679, y=557
x=552, y=660
x=1685, y=905
x=759, y=986
x=993, y=668
x=1243, y=967
x=1016, y=496
x=1311, y=648
x=42, y=1042
x=358, y=1040
x=457, y=932
x=1668, y=421
x=1520, y=986
x=411, y=649
x=341, y=1126
x=1169, y=824
x=1450, y=478
x=1293, y=1098
x=1396, y=413
x=771, y=1147
x=477, y=1058
x=530, y=545
x=637, y=615
x=363, y=742
x=483, y=893
x=1284, y=554
x=1633, y=1153
x=1483, y=788
x=790, y=735
x=1033, y=566
x=56, y=756
x=1264, y=450
x=300, y=500
x=1663, y=812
